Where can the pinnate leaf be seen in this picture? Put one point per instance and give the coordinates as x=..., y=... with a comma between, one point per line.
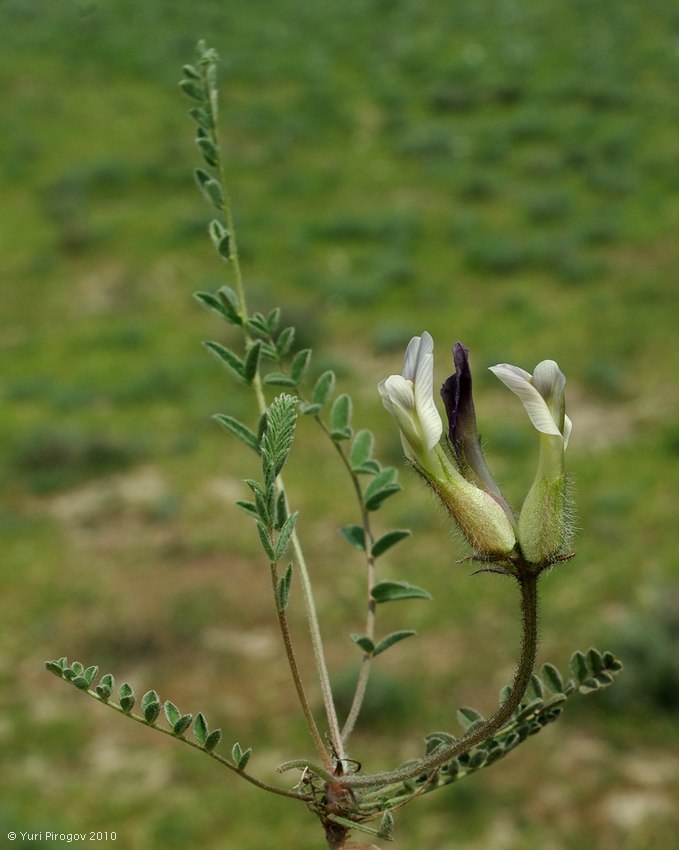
x=126, y=697
x=233, y=426
x=279, y=432
x=391, y=639
x=150, y=706
x=283, y=589
x=340, y=418
x=323, y=389
x=200, y=729
x=182, y=724
x=299, y=365
x=366, y=644
x=391, y=538
x=284, y=341
x=467, y=716
x=172, y=713
x=382, y=486
x=354, y=534
x=208, y=185
x=284, y=536
x=212, y=739
x=228, y=357
x=251, y=362
x=240, y=757
x=361, y=449
x=391, y=591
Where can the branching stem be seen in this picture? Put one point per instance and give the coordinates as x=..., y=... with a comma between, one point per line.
x=529, y=605
x=314, y=628
x=299, y=686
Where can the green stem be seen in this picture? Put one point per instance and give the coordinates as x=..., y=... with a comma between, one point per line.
x=283, y=792
x=366, y=664
x=529, y=602
x=312, y=616
x=319, y=655
x=299, y=687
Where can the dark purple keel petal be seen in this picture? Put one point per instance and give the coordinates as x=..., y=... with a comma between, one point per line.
x=456, y=393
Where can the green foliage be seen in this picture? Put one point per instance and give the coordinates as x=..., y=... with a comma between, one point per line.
x=238, y=429
x=224, y=303
x=382, y=486
x=502, y=156
x=391, y=639
x=209, y=186
x=240, y=756
x=150, y=705
x=371, y=648
x=354, y=534
x=364, y=642
x=177, y=721
x=278, y=435
x=390, y=591
x=231, y=360
x=299, y=365
x=340, y=418
x=105, y=687
x=283, y=589
x=321, y=394
x=386, y=541
x=126, y=697
x=361, y=450
x=542, y=704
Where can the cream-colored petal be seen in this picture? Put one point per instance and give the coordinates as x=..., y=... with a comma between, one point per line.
x=567, y=429
x=410, y=359
x=397, y=391
x=548, y=379
x=429, y=417
x=520, y=383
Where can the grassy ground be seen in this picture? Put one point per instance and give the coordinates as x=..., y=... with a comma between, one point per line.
x=505, y=174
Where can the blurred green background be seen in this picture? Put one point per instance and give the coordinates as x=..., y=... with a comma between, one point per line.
x=505, y=173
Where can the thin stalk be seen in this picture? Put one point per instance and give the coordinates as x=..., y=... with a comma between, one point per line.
x=312, y=616
x=292, y=661
x=283, y=792
x=529, y=602
x=319, y=655
x=366, y=664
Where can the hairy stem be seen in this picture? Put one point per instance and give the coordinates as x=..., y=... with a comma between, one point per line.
x=319, y=654
x=299, y=686
x=366, y=664
x=529, y=602
x=314, y=629
x=283, y=792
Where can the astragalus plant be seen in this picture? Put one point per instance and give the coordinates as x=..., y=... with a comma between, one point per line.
x=332, y=781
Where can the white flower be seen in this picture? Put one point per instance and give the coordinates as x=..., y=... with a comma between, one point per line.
x=543, y=528
x=542, y=394
x=409, y=397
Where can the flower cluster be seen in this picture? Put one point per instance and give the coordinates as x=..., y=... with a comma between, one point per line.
x=453, y=464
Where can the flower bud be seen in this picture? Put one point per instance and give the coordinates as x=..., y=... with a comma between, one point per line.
x=463, y=435
x=409, y=397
